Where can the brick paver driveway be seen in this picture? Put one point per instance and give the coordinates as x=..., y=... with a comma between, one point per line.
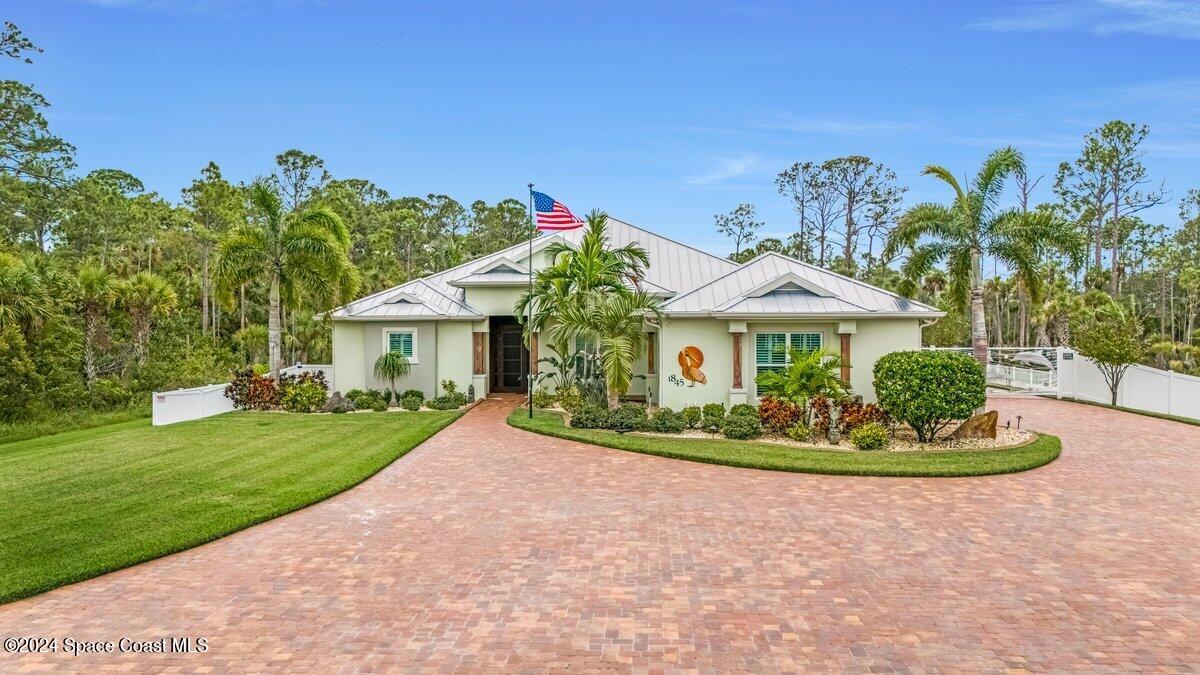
x=490, y=548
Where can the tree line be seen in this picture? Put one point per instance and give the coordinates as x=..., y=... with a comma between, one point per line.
x=109, y=290
x=1014, y=272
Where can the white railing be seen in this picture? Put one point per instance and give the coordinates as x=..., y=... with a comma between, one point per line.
x=1064, y=373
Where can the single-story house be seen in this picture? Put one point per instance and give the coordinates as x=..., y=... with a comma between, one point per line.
x=724, y=323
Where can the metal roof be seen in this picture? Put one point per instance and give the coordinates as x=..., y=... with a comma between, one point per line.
x=700, y=283
x=735, y=293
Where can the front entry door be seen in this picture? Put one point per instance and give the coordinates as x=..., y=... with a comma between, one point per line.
x=509, y=357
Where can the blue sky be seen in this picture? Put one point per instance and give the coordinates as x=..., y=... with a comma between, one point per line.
x=660, y=113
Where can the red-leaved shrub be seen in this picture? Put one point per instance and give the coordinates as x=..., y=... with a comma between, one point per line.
x=778, y=415
x=854, y=415
x=250, y=391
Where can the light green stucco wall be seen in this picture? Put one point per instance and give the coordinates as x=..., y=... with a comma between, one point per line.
x=874, y=338
x=493, y=300
x=348, y=359
x=454, y=357
x=357, y=344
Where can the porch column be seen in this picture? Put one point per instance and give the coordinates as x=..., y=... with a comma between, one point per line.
x=479, y=357
x=737, y=390
x=533, y=355
x=650, y=354
x=845, y=330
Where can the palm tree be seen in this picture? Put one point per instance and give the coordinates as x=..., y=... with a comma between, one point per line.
x=573, y=272
x=24, y=301
x=95, y=297
x=391, y=366
x=251, y=342
x=308, y=334
x=300, y=254
x=146, y=297
x=615, y=323
x=808, y=374
x=974, y=226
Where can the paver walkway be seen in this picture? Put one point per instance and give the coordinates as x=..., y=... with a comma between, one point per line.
x=490, y=548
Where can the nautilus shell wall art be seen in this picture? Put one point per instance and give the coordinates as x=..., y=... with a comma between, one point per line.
x=690, y=360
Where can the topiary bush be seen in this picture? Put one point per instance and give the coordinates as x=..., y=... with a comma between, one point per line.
x=628, y=417
x=778, y=415
x=870, y=436
x=743, y=409
x=591, y=416
x=692, y=415
x=667, y=421
x=305, y=396
x=742, y=427
x=714, y=414
x=928, y=390
x=412, y=400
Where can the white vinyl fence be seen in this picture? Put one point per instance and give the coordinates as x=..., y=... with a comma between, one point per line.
x=182, y=405
x=1143, y=387
x=1064, y=373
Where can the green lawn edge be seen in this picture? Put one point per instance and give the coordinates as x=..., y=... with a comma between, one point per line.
x=8, y=595
x=751, y=455
x=78, y=420
x=1135, y=411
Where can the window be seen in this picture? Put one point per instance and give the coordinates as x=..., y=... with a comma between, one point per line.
x=772, y=351
x=402, y=340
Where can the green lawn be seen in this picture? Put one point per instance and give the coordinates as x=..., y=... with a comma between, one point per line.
x=784, y=458
x=79, y=504
x=72, y=420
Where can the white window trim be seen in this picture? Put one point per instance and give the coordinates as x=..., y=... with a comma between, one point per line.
x=387, y=345
x=787, y=336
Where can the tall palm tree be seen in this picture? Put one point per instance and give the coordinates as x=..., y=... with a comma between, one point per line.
x=974, y=226
x=95, y=297
x=307, y=335
x=573, y=271
x=615, y=323
x=302, y=254
x=146, y=297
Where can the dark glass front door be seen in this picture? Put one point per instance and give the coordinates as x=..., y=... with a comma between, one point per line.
x=509, y=357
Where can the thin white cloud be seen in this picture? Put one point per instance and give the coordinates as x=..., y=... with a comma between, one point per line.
x=1160, y=18
x=727, y=169
x=837, y=127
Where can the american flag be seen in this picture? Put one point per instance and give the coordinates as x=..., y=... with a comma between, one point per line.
x=552, y=215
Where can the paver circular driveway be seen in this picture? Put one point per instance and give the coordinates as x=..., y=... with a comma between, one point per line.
x=493, y=548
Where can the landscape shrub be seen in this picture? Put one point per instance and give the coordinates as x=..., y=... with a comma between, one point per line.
x=928, y=390
x=743, y=409
x=667, y=421
x=304, y=396
x=338, y=404
x=354, y=395
x=628, y=417
x=799, y=431
x=591, y=416
x=854, y=414
x=377, y=404
x=108, y=393
x=570, y=398
x=542, y=398
x=714, y=414
x=412, y=400
x=742, y=427
x=451, y=395
x=413, y=393
x=445, y=402
x=367, y=400
x=692, y=415
x=778, y=415
x=870, y=436
x=251, y=391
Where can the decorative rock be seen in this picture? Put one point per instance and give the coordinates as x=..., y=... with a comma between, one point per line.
x=979, y=426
